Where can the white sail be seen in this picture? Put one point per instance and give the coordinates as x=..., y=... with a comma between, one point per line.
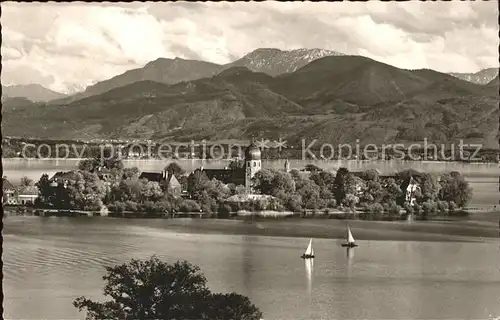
x=309, y=250
x=350, y=238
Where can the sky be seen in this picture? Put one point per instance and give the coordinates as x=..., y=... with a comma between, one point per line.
x=67, y=46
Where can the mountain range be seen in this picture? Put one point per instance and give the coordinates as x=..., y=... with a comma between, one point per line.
x=170, y=71
x=299, y=94
x=32, y=92
x=481, y=77
x=267, y=60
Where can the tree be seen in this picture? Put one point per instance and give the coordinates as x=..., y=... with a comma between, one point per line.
x=273, y=182
x=392, y=191
x=197, y=182
x=87, y=164
x=429, y=186
x=345, y=183
x=263, y=181
x=405, y=175
x=137, y=190
x=153, y=289
x=442, y=207
x=45, y=191
x=130, y=173
x=26, y=182
x=240, y=190
x=429, y=208
x=80, y=190
x=175, y=169
x=150, y=191
x=310, y=194
x=351, y=201
x=372, y=192
x=127, y=190
x=295, y=175
x=231, y=306
x=189, y=206
x=370, y=175
x=323, y=179
x=455, y=189
x=294, y=203
x=339, y=188
x=89, y=191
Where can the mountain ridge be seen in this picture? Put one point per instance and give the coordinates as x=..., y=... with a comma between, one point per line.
x=32, y=92
x=268, y=60
x=272, y=61
x=336, y=99
x=483, y=76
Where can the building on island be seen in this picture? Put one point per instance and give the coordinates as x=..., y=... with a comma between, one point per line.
x=18, y=195
x=253, y=164
x=8, y=192
x=226, y=175
x=27, y=195
x=62, y=178
x=411, y=188
x=239, y=175
x=173, y=184
x=287, y=166
x=154, y=176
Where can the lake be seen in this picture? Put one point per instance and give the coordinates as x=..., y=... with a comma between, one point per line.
x=483, y=177
x=50, y=261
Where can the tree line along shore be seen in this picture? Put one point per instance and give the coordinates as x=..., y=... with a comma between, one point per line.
x=105, y=186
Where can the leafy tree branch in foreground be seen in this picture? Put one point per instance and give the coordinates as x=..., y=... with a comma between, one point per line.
x=153, y=289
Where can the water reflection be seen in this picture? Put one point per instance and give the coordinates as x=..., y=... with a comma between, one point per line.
x=350, y=260
x=309, y=269
x=350, y=255
x=309, y=263
x=248, y=243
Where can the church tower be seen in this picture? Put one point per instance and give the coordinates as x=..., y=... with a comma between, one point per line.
x=253, y=164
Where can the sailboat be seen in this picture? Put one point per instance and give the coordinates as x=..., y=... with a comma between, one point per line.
x=350, y=240
x=309, y=254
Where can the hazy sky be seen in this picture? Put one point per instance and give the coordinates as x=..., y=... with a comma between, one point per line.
x=65, y=46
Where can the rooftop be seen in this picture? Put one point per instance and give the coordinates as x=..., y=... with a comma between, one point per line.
x=253, y=152
x=7, y=185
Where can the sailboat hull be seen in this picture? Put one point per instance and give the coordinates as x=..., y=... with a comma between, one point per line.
x=307, y=256
x=349, y=245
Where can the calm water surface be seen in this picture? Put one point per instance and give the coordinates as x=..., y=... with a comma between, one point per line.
x=50, y=261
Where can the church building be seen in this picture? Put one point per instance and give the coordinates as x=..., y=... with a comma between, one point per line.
x=239, y=176
x=253, y=164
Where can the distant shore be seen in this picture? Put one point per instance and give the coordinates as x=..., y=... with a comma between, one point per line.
x=474, y=169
